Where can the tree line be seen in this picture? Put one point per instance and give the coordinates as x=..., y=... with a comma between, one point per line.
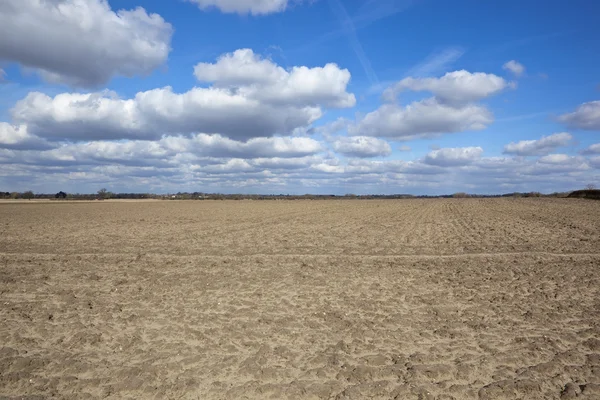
x=104, y=194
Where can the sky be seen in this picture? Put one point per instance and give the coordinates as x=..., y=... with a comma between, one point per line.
x=299, y=96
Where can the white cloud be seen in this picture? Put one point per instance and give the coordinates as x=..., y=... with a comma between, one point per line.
x=179, y=163
x=254, y=7
x=404, y=148
x=514, y=67
x=218, y=146
x=263, y=80
x=240, y=68
x=2, y=75
x=234, y=165
x=539, y=147
x=365, y=167
x=585, y=117
x=284, y=103
x=555, y=159
x=81, y=116
x=17, y=137
x=592, y=149
x=168, y=151
x=453, y=108
x=361, y=146
x=278, y=163
x=150, y=114
x=125, y=153
x=328, y=168
x=456, y=87
x=457, y=156
x=557, y=164
x=333, y=127
x=421, y=119
x=82, y=42
x=552, y=173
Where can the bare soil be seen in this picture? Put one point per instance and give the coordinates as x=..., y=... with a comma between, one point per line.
x=409, y=299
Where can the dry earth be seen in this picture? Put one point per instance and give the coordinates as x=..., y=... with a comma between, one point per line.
x=410, y=299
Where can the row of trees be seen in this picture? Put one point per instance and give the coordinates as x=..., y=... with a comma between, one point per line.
x=104, y=194
x=28, y=195
x=17, y=195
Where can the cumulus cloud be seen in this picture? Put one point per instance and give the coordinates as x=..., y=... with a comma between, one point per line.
x=265, y=81
x=361, y=146
x=136, y=153
x=168, y=151
x=234, y=165
x=558, y=163
x=240, y=68
x=175, y=162
x=420, y=119
x=82, y=42
x=254, y=7
x=593, y=149
x=549, y=173
x=218, y=146
x=556, y=159
x=595, y=162
x=333, y=127
x=585, y=117
x=454, y=157
x=453, y=107
x=279, y=163
x=514, y=67
x=539, y=147
x=17, y=137
x=150, y=114
x=392, y=167
x=239, y=106
x=456, y=87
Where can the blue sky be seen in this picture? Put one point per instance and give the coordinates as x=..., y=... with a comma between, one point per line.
x=283, y=96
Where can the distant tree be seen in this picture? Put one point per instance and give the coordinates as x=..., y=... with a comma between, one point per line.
x=104, y=194
x=590, y=186
x=61, y=195
x=28, y=195
x=460, y=195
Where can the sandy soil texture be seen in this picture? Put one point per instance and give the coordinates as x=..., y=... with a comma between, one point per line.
x=410, y=299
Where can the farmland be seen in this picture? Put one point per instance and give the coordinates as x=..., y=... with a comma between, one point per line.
x=420, y=298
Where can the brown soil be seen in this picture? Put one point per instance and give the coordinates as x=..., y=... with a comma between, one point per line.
x=410, y=299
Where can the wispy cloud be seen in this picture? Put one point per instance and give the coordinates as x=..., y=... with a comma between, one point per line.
x=349, y=29
x=374, y=10
x=274, y=50
x=370, y=12
x=523, y=117
x=437, y=62
x=526, y=41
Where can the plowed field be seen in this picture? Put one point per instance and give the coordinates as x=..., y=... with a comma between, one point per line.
x=408, y=299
